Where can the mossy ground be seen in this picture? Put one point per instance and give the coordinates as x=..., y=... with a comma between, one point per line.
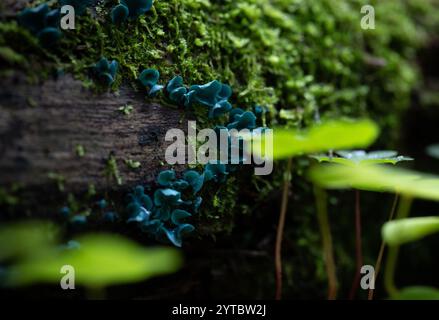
x=300, y=59
x=291, y=55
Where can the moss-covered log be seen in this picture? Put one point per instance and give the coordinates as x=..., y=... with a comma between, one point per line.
x=299, y=59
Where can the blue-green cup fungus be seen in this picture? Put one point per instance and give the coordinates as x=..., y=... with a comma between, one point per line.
x=34, y=19
x=167, y=178
x=216, y=171
x=106, y=71
x=41, y=22
x=152, y=227
x=138, y=196
x=149, y=79
x=130, y=9
x=167, y=198
x=206, y=94
x=194, y=179
x=240, y=119
x=119, y=14
x=259, y=112
x=65, y=212
x=78, y=220
x=176, y=90
x=197, y=203
x=220, y=108
x=110, y=217
x=80, y=6
x=140, y=205
x=49, y=36
x=102, y=204
x=137, y=7
x=157, y=217
x=53, y=18
x=175, y=235
x=214, y=95
x=180, y=185
x=178, y=215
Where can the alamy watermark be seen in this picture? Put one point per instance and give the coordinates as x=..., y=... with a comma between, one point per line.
x=226, y=146
x=368, y=280
x=368, y=19
x=68, y=20
x=67, y=282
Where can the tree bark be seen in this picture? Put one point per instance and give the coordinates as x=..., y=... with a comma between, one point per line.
x=41, y=125
x=9, y=8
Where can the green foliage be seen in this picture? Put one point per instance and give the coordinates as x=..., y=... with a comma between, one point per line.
x=408, y=230
x=377, y=178
x=25, y=239
x=300, y=58
x=417, y=293
x=352, y=158
x=327, y=136
x=100, y=261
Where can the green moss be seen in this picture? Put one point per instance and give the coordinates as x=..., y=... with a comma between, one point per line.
x=8, y=197
x=217, y=214
x=126, y=109
x=291, y=55
x=59, y=179
x=80, y=150
x=112, y=170
x=132, y=164
x=302, y=59
x=10, y=56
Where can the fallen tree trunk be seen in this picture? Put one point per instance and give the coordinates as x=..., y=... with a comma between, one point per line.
x=44, y=127
x=9, y=8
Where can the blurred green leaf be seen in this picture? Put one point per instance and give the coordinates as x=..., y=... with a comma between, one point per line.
x=28, y=238
x=402, y=231
x=355, y=157
x=330, y=135
x=417, y=293
x=101, y=260
x=377, y=178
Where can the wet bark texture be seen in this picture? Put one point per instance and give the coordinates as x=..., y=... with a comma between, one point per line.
x=42, y=125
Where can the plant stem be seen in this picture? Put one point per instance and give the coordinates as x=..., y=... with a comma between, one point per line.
x=382, y=248
x=358, y=247
x=325, y=230
x=280, y=230
x=392, y=257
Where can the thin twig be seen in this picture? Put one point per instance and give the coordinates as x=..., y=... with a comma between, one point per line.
x=280, y=230
x=392, y=256
x=382, y=247
x=322, y=216
x=358, y=247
